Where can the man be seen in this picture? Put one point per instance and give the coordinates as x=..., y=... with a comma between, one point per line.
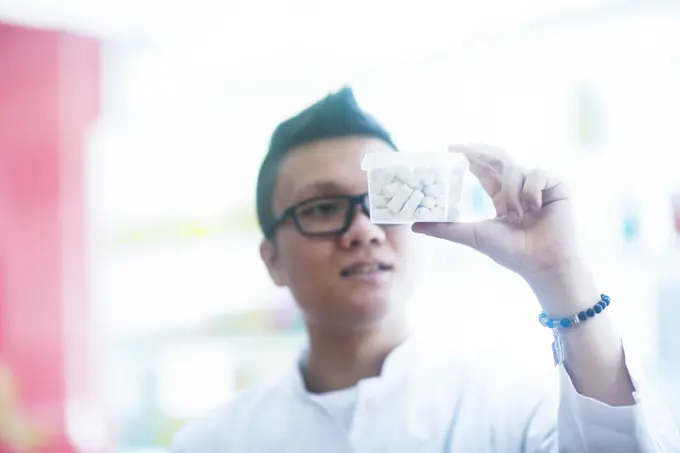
x=364, y=386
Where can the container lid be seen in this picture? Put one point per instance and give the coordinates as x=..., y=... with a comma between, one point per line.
x=414, y=159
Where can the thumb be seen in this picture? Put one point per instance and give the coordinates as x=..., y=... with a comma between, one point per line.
x=465, y=233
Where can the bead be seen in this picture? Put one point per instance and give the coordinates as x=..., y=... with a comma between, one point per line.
x=577, y=318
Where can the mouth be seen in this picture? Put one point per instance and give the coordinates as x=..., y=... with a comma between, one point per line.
x=365, y=269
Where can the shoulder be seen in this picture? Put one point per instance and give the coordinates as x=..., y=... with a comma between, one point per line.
x=496, y=380
x=223, y=429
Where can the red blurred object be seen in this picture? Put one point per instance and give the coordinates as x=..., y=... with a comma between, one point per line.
x=675, y=205
x=49, y=96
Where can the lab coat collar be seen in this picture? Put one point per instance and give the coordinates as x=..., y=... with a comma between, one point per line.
x=395, y=369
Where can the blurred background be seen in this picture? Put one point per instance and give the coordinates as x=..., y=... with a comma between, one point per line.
x=132, y=298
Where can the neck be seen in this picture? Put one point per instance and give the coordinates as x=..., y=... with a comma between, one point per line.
x=340, y=358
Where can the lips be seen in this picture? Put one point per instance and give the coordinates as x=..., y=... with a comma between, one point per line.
x=365, y=269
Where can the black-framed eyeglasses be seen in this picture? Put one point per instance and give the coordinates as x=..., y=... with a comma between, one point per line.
x=323, y=216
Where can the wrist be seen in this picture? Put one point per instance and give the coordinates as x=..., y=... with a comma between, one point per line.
x=564, y=291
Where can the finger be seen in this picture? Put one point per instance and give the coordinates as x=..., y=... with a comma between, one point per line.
x=458, y=232
x=546, y=189
x=501, y=205
x=491, y=182
x=554, y=190
x=485, y=170
x=480, y=236
x=513, y=180
x=489, y=179
x=532, y=191
x=496, y=158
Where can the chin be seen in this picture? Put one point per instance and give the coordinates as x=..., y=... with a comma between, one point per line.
x=370, y=309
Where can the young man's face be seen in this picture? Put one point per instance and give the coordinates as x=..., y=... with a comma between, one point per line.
x=334, y=278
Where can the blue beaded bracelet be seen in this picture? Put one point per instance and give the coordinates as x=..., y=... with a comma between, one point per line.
x=578, y=317
x=557, y=324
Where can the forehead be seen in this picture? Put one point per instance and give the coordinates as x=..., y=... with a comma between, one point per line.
x=323, y=168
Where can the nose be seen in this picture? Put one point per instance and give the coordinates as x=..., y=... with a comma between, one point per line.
x=362, y=232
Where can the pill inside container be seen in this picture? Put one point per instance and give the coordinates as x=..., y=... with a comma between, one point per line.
x=414, y=187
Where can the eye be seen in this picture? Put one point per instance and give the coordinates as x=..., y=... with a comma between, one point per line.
x=321, y=208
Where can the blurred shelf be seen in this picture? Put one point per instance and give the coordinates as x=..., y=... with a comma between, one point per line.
x=261, y=324
x=142, y=450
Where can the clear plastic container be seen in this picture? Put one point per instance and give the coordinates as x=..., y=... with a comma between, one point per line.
x=414, y=187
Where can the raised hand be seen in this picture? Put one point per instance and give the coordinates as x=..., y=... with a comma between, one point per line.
x=534, y=228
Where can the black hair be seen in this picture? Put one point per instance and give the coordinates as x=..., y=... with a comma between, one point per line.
x=336, y=115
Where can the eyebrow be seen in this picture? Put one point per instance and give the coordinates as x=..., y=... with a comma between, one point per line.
x=318, y=188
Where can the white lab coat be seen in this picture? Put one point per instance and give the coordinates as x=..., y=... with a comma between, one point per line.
x=424, y=402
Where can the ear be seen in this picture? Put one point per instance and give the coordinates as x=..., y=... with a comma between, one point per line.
x=268, y=253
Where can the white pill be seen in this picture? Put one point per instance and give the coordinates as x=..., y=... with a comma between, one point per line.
x=411, y=205
x=441, y=200
x=433, y=190
x=404, y=174
x=452, y=214
x=428, y=202
x=382, y=176
x=391, y=189
x=374, y=187
x=428, y=178
x=399, y=200
x=437, y=213
x=378, y=201
x=422, y=214
x=415, y=182
x=381, y=215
